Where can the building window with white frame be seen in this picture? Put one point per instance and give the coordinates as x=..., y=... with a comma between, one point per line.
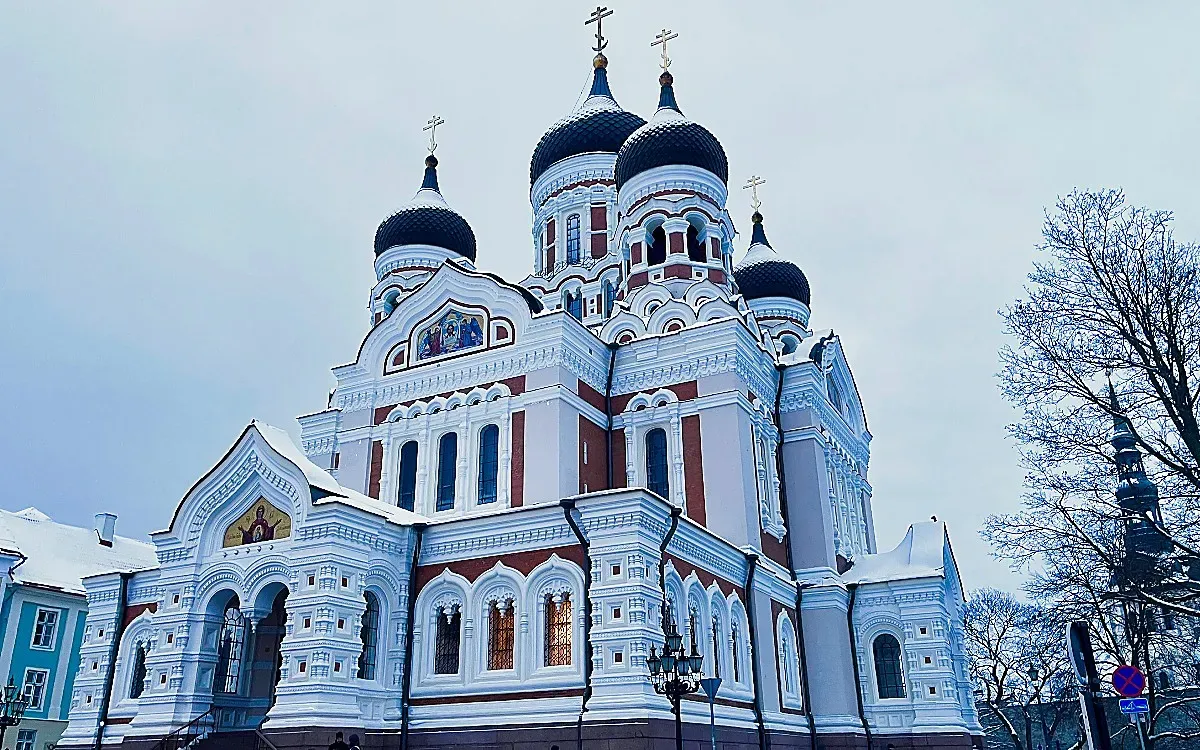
x=45, y=629
x=657, y=477
x=558, y=629
x=735, y=651
x=407, y=496
x=26, y=739
x=573, y=238
x=35, y=688
x=501, y=634
x=716, y=645
x=447, y=470
x=447, y=641
x=370, y=638
x=137, y=683
x=489, y=463
x=889, y=675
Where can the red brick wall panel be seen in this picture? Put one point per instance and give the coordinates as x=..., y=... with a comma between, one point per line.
x=677, y=271
x=618, y=450
x=675, y=242
x=693, y=469
x=376, y=468
x=593, y=474
x=599, y=245
x=516, y=492
x=523, y=562
x=635, y=253
x=599, y=218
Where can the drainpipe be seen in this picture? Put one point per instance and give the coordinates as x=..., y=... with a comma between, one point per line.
x=662, y=559
x=752, y=567
x=111, y=674
x=862, y=713
x=406, y=678
x=781, y=470
x=612, y=362
x=568, y=505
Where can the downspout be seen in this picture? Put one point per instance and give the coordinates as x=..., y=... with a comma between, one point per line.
x=111, y=674
x=751, y=568
x=406, y=678
x=781, y=470
x=568, y=505
x=662, y=561
x=612, y=363
x=862, y=713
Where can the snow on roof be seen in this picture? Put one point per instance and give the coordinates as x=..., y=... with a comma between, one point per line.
x=59, y=556
x=922, y=554
x=804, y=352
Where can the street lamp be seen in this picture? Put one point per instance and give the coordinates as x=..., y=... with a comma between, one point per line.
x=675, y=673
x=12, y=708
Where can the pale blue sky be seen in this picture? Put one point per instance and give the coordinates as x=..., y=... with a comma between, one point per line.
x=189, y=191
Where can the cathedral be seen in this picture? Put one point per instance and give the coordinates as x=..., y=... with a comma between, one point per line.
x=517, y=487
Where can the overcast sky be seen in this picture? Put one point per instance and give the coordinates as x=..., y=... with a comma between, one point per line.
x=189, y=193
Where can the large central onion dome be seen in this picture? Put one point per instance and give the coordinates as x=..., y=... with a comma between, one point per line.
x=670, y=138
x=764, y=273
x=599, y=125
x=427, y=220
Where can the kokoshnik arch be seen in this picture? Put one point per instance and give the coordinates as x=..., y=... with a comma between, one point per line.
x=510, y=479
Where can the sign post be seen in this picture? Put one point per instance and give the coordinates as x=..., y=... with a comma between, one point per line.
x=1130, y=682
x=1079, y=651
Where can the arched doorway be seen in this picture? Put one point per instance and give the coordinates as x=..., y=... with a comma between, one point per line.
x=266, y=657
x=248, y=656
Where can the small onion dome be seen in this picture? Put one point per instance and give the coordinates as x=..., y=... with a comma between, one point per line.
x=670, y=138
x=764, y=273
x=427, y=220
x=598, y=125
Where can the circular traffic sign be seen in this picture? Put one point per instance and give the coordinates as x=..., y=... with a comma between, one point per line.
x=1129, y=681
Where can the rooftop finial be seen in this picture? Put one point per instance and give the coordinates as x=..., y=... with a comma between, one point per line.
x=752, y=185
x=431, y=126
x=758, y=235
x=597, y=17
x=662, y=38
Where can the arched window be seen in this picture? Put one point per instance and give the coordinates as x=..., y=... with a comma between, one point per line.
x=407, y=496
x=489, y=463
x=656, y=463
x=230, y=644
x=889, y=677
x=790, y=343
x=370, y=638
x=573, y=302
x=573, y=238
x=500, y=634
x=1164, y=680
x=693, y=629
x=695, y=248
x=446, y=645
x=447, y=469
x=558, y=629
x=716, y=647
x=658, y=247
x=138, y=683
x=735, y=651
x=785, y=665
x=610, y=296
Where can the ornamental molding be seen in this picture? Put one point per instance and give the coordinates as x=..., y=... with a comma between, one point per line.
x=717, y=363
x=252, y=464
x=554, y=536
x=319, y=445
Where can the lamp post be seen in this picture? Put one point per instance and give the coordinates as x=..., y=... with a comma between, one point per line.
x=12, y=708
x=675, y=673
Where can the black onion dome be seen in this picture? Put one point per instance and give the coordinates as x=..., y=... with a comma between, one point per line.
x=764, y=273
x=599, y=125
x=427, y=220
x=670, y=138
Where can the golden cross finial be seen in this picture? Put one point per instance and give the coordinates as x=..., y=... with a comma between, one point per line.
x=431, y=126
x=752, y=185
x=662, y=38
x=597, y=17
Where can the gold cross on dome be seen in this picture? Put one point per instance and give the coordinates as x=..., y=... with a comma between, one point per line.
x=431, y=126
x=752, y=185
x=662, y=38
x=597, y=17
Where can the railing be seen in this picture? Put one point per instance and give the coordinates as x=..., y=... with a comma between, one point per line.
x=196, y=729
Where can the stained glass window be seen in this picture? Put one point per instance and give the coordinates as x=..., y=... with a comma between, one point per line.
x=489, y=463
x=445, y=660
x=888, y=674
x=500, y=635
x=447, y=470
x=558, y=629
x=408, y=476
x=656, y=463
x=370, y=638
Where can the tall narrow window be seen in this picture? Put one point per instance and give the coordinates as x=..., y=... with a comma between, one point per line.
x=573, y=238
x=693, y=629
x=785, y=665
x=34, y=687
x=658, y=247
x=716, y=647
x=500, y=634
x=489, y=462
x=656, y=463
x=558, y=629
x=447, y=470
x=888, y=674
x=610, y=296
x=695, y=248
x=407, y=497
x=370, y=638
x=445, y=660
x=44, y=628
x=573, y=301
x=229, y=650
x=735, y=650
x=137, y=683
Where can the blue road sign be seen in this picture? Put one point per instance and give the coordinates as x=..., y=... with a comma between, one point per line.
x=1135, y=706
x=1129, y=681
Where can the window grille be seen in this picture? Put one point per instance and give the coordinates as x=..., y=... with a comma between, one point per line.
x=370, y=638
x=229, y=650
x=716, y=647
x=489, y=463
x=26, y=739
x=407, y=497
x=656, y=463
x=44, y=628
x=558, y=630
x=447, y=468
x=35, y=687
x=138, y=684
x=573, y=238
x=500, y=635
x=735, y=652
x=445, y=660
x=888, y=674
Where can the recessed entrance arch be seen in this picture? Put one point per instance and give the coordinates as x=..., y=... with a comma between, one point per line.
x=248, y=655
